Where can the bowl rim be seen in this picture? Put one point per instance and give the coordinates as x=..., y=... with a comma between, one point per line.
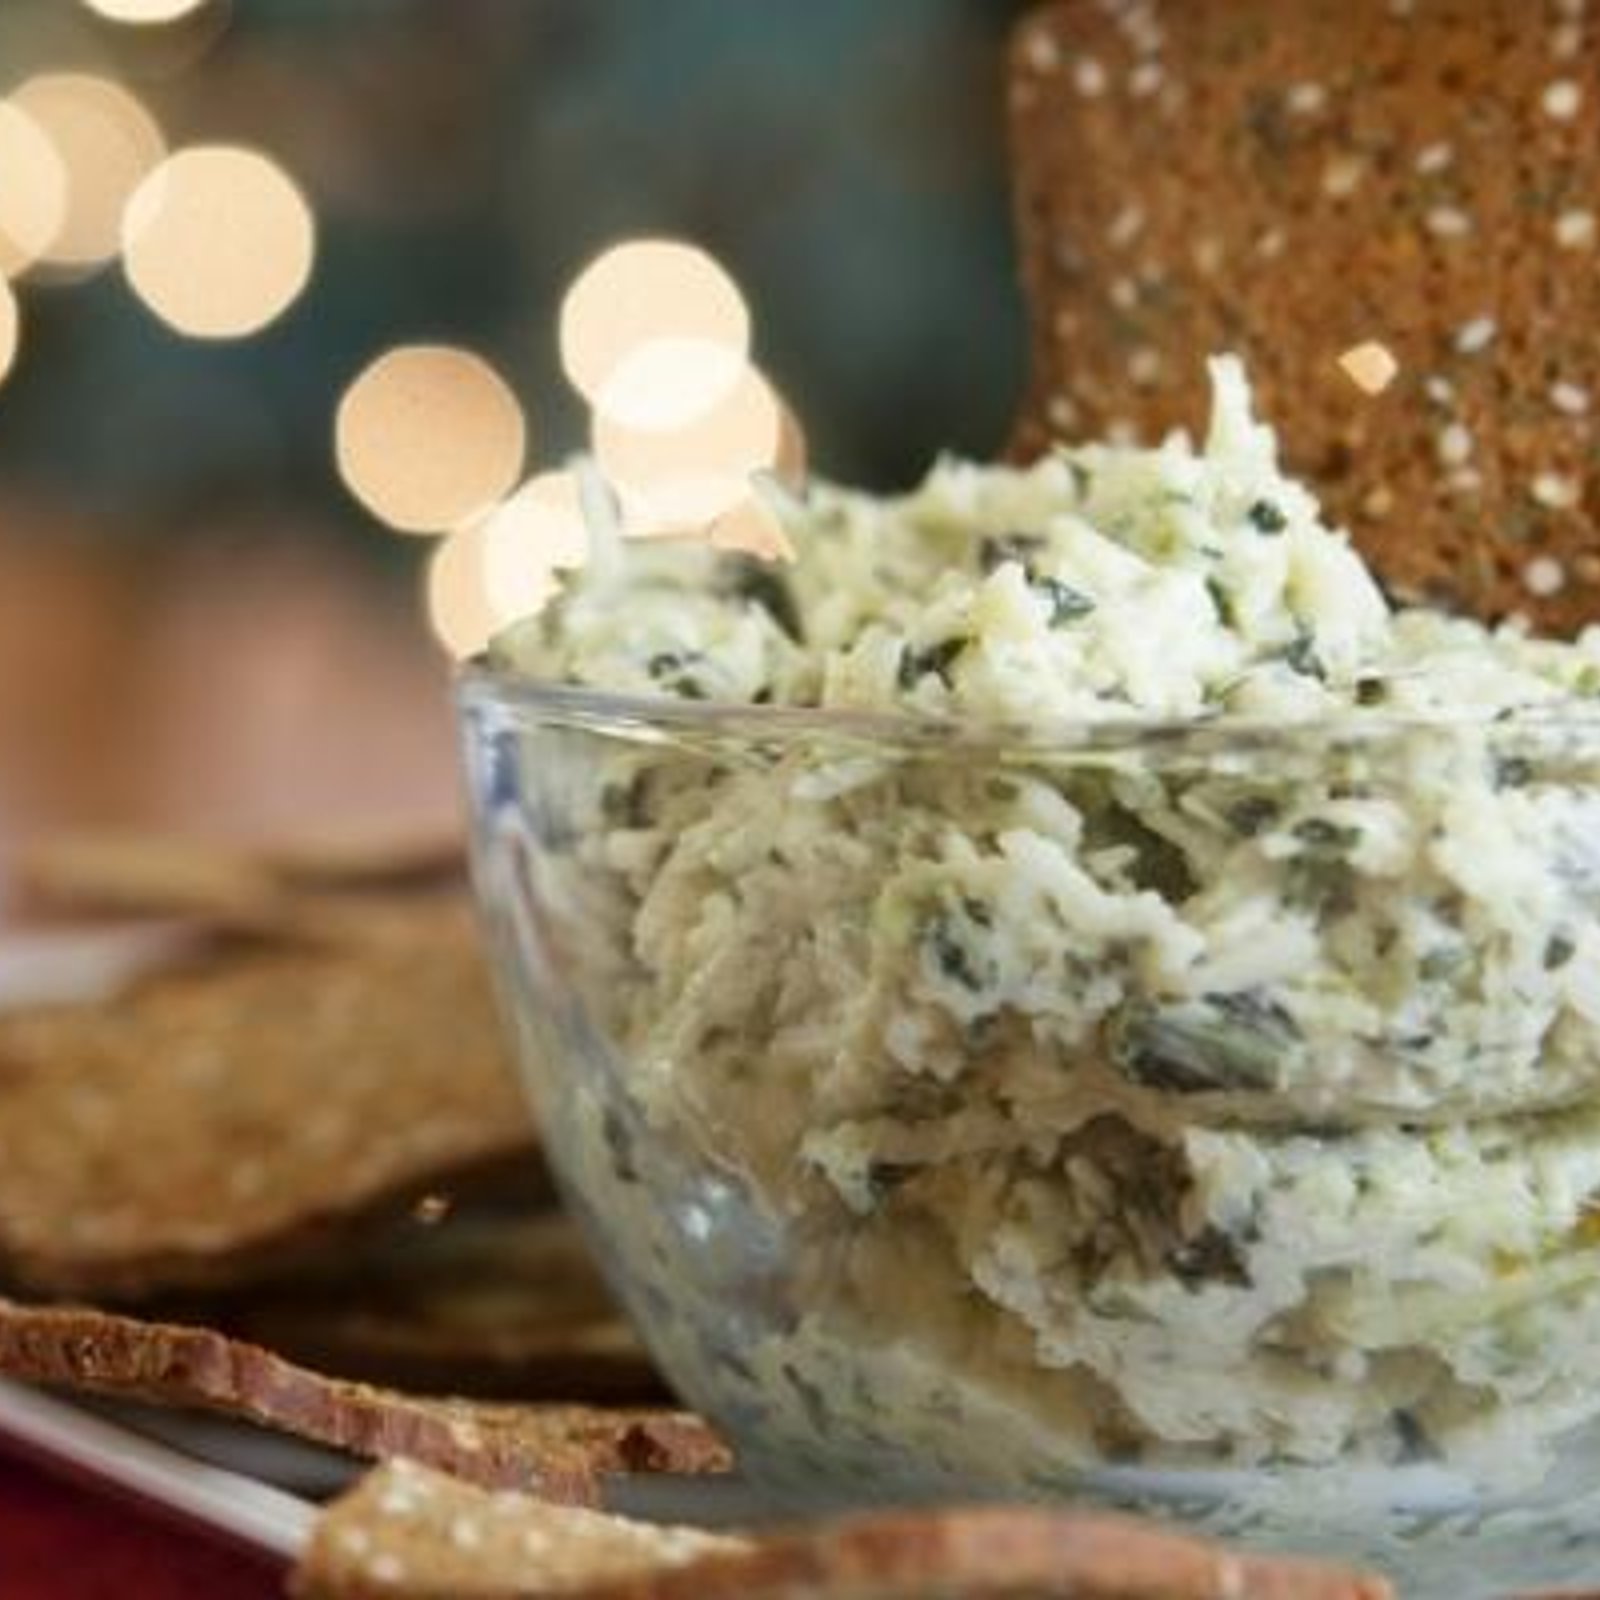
x=480, y=686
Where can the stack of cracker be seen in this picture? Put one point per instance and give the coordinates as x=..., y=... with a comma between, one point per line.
x=275, y=1157
x=310, y=1048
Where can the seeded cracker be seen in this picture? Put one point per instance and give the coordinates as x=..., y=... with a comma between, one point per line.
x=1292, y=181
x=405, y=1531
x=223, y=1115
x=411, y=1534
x=557, y=1451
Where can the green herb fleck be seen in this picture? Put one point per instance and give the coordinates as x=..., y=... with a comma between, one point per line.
x=761, y=585
x=1321, y=884
x=1559, y=951
x=1442, y=962
x=1210, y=1257
x=1066, y=603
x=1302, y=657
x=951, y=956
x=1321, y=834
x=1265, y=517
x=978, y=911
x=1155, y=862
x=1247, y=817
x=1512, y=772
x=672, y=671
x=1224, y=1042
x=937, y=659
x=1320, y=879
x=1371, y=691
x=1221, y=600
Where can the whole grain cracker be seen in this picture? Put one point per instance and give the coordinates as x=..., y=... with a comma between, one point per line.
x=1288, y=182
x=405, y=1532
x=228, y=1113
x=316, y=888
x=559, y=1452
x=113, y=876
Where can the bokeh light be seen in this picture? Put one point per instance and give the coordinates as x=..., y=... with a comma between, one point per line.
x=753, y=527
x=793, y=452
x=459, y=611
x=642, y=291
x=538, y=531
x=504, y=567
x=33, y=191
x=684, y=506
x=106, y=143
x=144, y=11
x=218, y=241
x=10, y=329
x=429, y=437
x=700, y=469
x=663, y=384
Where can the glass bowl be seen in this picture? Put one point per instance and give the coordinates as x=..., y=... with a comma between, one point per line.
x=1194, y=1117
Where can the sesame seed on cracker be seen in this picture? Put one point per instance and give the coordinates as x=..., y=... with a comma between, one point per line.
x=1561, y=100
x=1370, y=366
x=1544, y=576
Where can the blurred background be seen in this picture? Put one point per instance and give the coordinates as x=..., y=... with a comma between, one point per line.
x=245, y=520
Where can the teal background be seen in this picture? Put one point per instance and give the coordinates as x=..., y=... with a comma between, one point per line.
x=465, y=157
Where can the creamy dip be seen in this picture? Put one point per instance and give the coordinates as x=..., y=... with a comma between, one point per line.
x=1181, y=1037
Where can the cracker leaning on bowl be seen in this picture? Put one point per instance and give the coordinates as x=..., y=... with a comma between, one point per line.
x=1293, y=181
x=317, y=1051
x=410, y=1534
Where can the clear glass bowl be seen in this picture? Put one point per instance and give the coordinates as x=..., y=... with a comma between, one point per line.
x=1199, y=1118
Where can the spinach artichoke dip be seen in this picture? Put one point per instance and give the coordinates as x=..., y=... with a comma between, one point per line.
x=1182, y=1049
